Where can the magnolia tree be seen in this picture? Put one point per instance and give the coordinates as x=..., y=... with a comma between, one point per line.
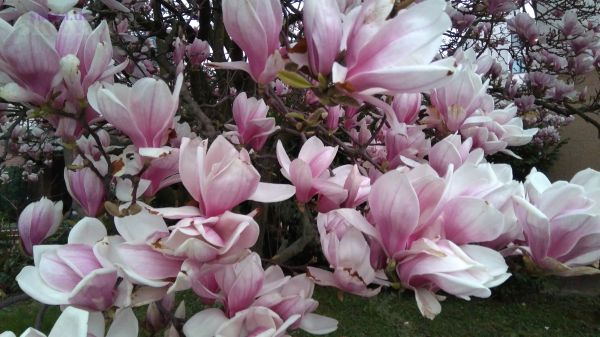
x=540, y=55
x=244, y=151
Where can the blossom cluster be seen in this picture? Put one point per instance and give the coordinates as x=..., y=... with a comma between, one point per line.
x=390, y=175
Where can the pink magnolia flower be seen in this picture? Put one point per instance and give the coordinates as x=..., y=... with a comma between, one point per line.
x=29, y=59
x=495, y=130
x=76, y=57
x=252, y=126
x=347, y=251
x=72, y=274
x=86, y=55
x=349, y=189
x=198, y=51
x=334, y=113
x=206, y=239
x=426, y=194
x=309, y=169
x=500, y=6
x=143, y=112
x=459, y=99
x=89, y=147
x=38, y=221
x=525, y=103
x=379, y=51
x=255, y=26
x=257, y=321
x=406, y=107
x=294, y=297
x=582, y=63
x=464, y=271
x=493, y=192
x=540, y=81
x=395, y=211
x=589, y=179
x=451, y=150
x=524, y=25
x=404, y=142
x=360, y=133
x=162, y=171
x=86, y=187
x=323, y=32
x=561, y=224
x=236, y=284
x=15, y=8
x=571, y=25
x=222, y=177
x=140, y=263
x=240, y=283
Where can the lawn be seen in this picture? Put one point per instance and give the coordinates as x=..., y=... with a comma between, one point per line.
x=516, y=309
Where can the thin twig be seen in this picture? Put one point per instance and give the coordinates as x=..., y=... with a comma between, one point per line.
x=14, y=299
x=39, y=318
x=308, y=235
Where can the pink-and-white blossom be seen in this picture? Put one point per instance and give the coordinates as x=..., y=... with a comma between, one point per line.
x=221, y=177
x=381, y=50
x=252, y=126
x=561, y=224
x=143, y=112
x=38, y=221
x=463, y=271
x=255, y=26
x=310, y=168
x=72, y=274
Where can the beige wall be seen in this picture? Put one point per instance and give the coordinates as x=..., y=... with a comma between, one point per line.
x=582, y=150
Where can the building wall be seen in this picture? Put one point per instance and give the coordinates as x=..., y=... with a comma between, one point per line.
x=582, y=150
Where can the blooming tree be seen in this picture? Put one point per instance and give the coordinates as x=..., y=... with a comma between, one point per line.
x=248, y=150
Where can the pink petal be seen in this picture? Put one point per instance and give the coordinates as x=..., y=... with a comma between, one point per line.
x=395, y=210
x=301, y=176
x=96, y=291
x=469, y=220
x=536, y=227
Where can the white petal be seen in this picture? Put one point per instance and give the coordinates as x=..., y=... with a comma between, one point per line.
x=318, y=324
x=205, y=323
x=61, y=6
x=427, y=303
x=266, y=192
x=72, y=322
x=31, y=283
x=125, y=324
x=87, y=231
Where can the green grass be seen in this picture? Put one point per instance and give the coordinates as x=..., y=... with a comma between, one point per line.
x=394, y=315
x=20, y=316
x=515, y=310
